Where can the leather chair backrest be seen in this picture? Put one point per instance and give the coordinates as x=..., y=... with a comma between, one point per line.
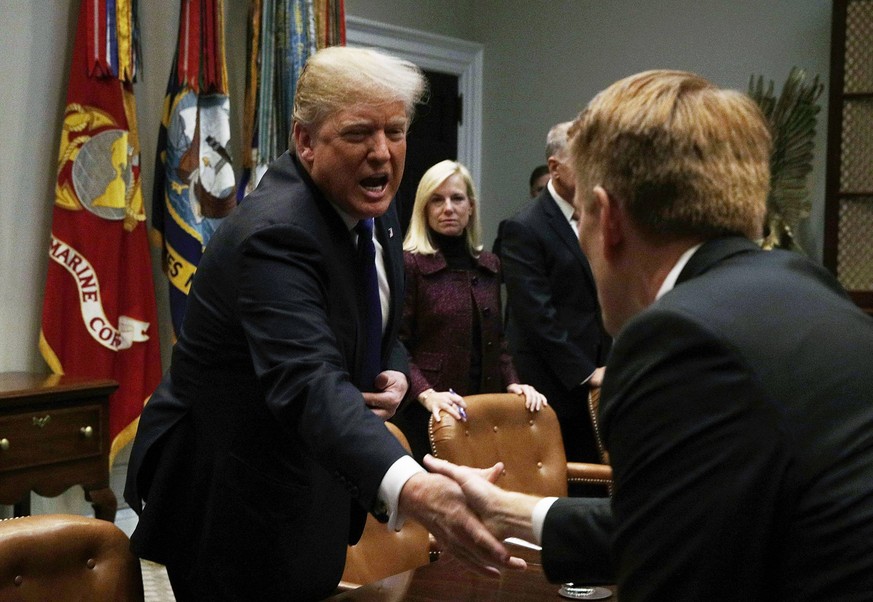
x=382, y=552
x=500, y=428
x=67, y=557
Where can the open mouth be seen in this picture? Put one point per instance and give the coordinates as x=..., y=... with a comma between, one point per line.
x=375, y=184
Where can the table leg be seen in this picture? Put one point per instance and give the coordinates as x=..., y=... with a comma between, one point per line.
x=22, y=508
x=104, y=503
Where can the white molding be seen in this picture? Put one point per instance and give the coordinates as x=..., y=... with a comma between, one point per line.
x=435, y=53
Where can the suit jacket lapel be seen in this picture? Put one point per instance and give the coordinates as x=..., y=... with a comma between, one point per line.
x=564, y=231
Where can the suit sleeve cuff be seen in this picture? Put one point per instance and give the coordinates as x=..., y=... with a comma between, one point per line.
x=389, y=490
x=538, y=518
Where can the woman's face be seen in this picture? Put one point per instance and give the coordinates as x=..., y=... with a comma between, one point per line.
x=449, y=208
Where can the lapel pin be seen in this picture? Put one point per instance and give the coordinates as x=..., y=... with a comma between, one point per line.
x=390, y=232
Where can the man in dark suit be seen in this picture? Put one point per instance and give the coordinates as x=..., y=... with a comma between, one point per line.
x=554, y=328
x=259, y=454
x=737, y=406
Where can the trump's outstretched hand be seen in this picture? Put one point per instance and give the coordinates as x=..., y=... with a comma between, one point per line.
x=438, y=502
x=504, y=513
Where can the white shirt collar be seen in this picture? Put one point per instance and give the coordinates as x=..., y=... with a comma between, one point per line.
x=564, y=205
x=673, y=275
x=348, y=220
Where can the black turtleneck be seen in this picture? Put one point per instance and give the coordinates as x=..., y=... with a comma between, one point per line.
x=454, y=249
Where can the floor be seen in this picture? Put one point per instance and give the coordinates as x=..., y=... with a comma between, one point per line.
x=155, y=584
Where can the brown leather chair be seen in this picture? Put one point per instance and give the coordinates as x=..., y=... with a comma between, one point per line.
x=66, y=557
x=594, y=410
x=500, y=428
x=382, y=552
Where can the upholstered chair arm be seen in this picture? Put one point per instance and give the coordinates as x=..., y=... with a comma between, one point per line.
x=583, y=472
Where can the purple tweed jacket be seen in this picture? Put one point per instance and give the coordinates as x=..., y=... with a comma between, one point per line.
x=438, y=317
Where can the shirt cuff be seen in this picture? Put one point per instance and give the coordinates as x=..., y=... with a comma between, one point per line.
x=538, y=518
x=389, y=490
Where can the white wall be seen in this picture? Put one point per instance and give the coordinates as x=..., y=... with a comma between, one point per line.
x=544, y=59
x=36, y=40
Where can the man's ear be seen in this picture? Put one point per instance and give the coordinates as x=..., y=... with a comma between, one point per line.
x=303, y=143
x=611, y=220
x=552, y=163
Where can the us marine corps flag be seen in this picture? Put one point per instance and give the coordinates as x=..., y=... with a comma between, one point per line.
x=99, y=315
x=195, y=186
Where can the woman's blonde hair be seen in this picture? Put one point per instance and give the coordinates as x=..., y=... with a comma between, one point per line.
x=339, y=77
x=684, y=157
x=418, y=239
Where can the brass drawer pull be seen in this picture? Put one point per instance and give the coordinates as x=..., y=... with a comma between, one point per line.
x=4, y=444
x=41, y=422
x=87, y=432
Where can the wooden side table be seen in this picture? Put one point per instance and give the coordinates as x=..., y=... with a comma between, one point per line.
x=54, y=433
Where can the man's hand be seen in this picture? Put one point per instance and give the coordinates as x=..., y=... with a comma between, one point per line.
x=438, y=503
x=504, y=513
x=392, y=386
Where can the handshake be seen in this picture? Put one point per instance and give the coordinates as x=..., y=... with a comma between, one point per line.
x=468, y=515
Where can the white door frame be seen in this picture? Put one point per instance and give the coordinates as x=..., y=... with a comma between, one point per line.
x=435, y=53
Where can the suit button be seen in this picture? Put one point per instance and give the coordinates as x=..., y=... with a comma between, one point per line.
x=486, y=311
x=475, y=280
x=489, y=344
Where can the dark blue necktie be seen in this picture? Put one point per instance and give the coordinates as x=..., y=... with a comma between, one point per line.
x=373, y=305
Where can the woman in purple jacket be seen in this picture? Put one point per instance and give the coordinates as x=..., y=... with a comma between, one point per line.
x=452, y=315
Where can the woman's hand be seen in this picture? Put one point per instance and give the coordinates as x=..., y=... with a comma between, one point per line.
x=443, y=401
x=533, y=399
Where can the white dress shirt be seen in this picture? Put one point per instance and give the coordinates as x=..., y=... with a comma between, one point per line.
x=566, y=208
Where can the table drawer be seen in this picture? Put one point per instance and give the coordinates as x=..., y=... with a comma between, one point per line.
x=37, y=438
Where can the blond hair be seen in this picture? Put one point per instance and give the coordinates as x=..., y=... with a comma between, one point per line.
x=339, y=77
x=685, y=158
x=418, y=239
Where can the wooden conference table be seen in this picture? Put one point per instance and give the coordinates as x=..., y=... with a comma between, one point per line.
x=446, y=579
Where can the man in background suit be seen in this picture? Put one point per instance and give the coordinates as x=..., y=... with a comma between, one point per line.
x=539, y=179
x=554, y=327
x=737, y=406
x=259, y=454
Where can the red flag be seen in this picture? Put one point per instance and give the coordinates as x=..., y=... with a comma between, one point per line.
x=99, y=317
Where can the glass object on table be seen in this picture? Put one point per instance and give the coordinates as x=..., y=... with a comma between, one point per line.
x=583, y=592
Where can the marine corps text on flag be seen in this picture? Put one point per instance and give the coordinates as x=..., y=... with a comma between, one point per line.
x=99, y=317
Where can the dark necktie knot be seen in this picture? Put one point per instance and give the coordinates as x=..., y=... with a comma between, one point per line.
x=364, y=229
